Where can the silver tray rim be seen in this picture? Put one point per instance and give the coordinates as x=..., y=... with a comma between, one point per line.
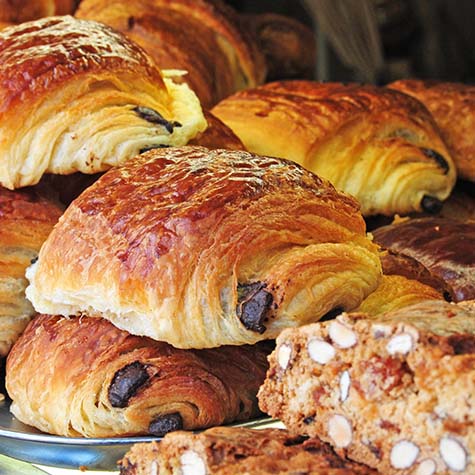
x=22, y=442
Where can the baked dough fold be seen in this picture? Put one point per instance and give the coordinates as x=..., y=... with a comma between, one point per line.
x=203, y=38
x=77, y=96
x=453, y=108
x=85, y=377
x=379, y=145
x=26, y=219
x=202, y=248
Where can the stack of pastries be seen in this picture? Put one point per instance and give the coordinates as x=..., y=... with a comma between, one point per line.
x=178, y=243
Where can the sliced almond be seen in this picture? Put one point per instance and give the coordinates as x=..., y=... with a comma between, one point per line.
x=154, y=468
x=320, y=351
x=380, y=330
x=453, y=454
x=341, y=334
x=401, y=343
x=426, y=467
x=345, y=384
x=340, y=431
x=404, y=454
x=192, y=464
x=283, y=355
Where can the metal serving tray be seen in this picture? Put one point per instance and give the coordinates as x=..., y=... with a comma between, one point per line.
x=23, y=442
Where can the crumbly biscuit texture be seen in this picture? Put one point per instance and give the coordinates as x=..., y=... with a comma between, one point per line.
x=395, y=391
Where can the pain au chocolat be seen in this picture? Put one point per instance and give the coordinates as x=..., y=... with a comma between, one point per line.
x=378, y=145
x=202, y=248
x=18, y=11
x=204, y=38
x=77, y=96
x=26, y=219
x=85, y=377
x=443, y=248
x=453, y=108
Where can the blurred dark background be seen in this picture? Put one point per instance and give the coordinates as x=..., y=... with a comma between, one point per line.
x=417, y=38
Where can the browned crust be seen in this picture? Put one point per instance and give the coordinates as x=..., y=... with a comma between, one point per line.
x=18, y=11
x=395, y=263
x=453, y=107
x=217, y=135
x=200, y=37
x=288, y=45
x=69, y=47
x=75, y=361
x=344, y=101
x=444, y=247
x=233, y=450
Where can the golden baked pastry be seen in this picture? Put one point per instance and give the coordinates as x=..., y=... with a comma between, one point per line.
x=85, y=377
x=288, y=45
x=398, y=263
x=18, y=11
x=453, y=107
x=202, y=248
x=446, y=248
x=26, y=219
x=201, y=37
x=77, y=96
x=460, y=205
x=394, y=292
x=217, y=135
x=379, y=145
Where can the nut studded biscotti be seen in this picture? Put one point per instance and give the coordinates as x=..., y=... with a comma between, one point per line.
x=232, y=451
x=396, y=392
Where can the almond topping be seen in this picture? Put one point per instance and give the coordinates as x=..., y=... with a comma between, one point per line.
x=380, y=330
x=345, y=383
x=320, y=351
x=340, y=431
x=453, y=453
x=401, y=343
x=192, y=463
x=154, y=468
x=283, y=355
x=342, y=335
x=426, y=467
x=403, y=454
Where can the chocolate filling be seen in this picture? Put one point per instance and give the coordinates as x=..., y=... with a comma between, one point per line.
x=151, y=115
x=297, y=440
x=254, y=303
x=462, y=344
x=153, y=147
x=334, y=312
x=437, y=157
x=431, y=205
x=126, y=382
x=166, y=423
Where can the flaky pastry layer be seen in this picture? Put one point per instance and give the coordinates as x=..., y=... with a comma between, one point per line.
x=379, y=145
x=202, y=248
x=77, y=96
